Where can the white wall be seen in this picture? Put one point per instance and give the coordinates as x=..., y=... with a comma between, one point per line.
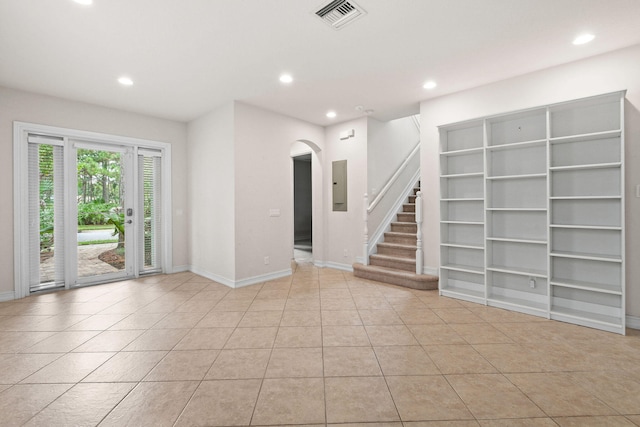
x=605, y=73
x=389, y=144
x=211, y=192
x=344, y=230
x=33, y=108
x=264, y=182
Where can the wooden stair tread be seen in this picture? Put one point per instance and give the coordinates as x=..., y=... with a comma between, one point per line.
x=397, y=246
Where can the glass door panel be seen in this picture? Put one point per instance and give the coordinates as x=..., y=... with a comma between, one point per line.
x=104, y=217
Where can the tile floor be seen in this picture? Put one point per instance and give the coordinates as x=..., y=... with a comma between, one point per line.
x=320, y=347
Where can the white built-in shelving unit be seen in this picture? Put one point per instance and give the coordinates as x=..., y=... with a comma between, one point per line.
x=532, y=211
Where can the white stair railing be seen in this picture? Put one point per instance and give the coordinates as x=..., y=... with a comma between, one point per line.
x=419, y=256
x=365, y=214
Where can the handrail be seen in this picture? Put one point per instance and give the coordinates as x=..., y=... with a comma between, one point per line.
x=393, y=179
x=416, y=120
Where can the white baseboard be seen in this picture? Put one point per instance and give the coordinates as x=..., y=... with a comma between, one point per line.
x=263, y=278
x=338, y=266
x=633, y=322
x=243, y=282
x=179, y=269
x=7, y=296
x=433, y=271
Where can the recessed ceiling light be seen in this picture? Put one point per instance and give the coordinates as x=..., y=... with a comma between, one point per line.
x=84, y=2
x=125, y=81
x=286, y=78
x=430, y=84
x=331, y=114
x=583, y=38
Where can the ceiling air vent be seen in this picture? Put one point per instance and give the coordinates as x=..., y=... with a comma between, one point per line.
x=339, y=13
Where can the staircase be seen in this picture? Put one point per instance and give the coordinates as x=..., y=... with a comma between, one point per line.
x=395, y=260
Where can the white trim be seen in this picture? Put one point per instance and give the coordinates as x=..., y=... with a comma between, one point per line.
x=394, y=178
x=633, y=322
x=7, y=296
x=243, y=282
x=338, y=266
x=433, y=271
x=20, y=179
x=181, y=269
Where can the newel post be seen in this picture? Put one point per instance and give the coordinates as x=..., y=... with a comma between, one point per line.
x=419, y=256
x=365, y=217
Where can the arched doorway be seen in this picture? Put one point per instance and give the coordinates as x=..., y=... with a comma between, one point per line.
x=307, y=225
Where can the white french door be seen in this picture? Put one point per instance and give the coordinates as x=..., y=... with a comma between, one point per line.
x=87, y=210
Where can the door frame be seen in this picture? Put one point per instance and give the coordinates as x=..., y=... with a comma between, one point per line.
x=20, y=193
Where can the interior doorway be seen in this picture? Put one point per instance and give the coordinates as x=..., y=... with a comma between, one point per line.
x=302, y=208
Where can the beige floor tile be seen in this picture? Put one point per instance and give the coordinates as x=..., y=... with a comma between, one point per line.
x=345, y=336
x=252, y=338
x=513, y=357
x=405, y=360
x=62, y=342
x=426, y=398
x=380, y=317
x=556, y=395
x=179, y=320
x=424, y=316
x=459, y=359
x=70, y=368
x=16, y=367
x=350, y=362
x=196, y=305
x=221, y=403
x=459, y=423
x=305, y=292
x=268, y=304
x=14, y=342
x=480, y=333
x=341, y=318
x=634, y=419
x=372, y=303
x=300, y=301
x=301, y=318
x=239, y=364
x=255, y=319
x=289, y=401
x=309, y=336
x=335, y=293
x=490, y=396
x=126, y=366
x=457, y=315
x=21, y=402
x=390, y=335
x=359, y=399
x=434, y=301
x=152, y=404
x=615, y=388
x=187, y=365
x=157, y=339
x=337, y=304
x=519, y=422
x=109, y=341
x=204, y=339
x=138, y=321
x=406, y=303
x=295, y=362
x=61, y=322
x=83, y=405
x=435, y=334
x=221, y=319
x=232, y=305
x=610, y=421
x=97, y=322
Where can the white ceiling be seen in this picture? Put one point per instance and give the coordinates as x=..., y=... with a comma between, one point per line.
x=189, y=56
